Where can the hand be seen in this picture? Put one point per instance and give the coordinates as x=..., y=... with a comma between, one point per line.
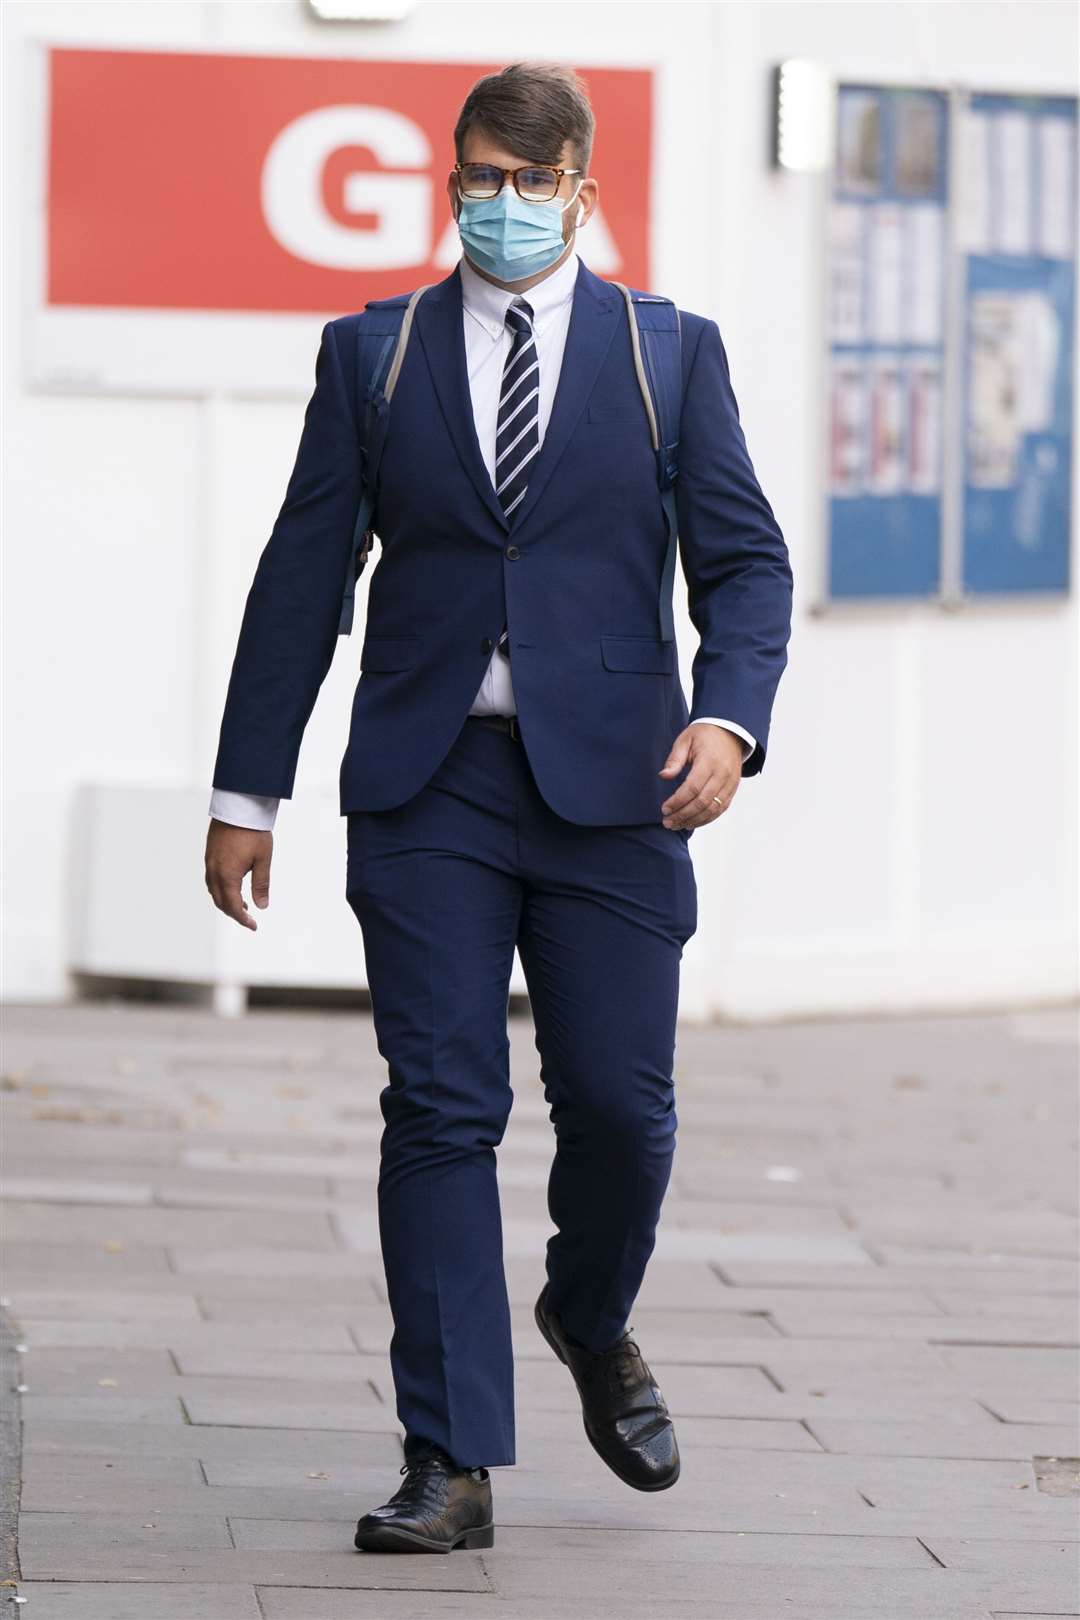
x=716, y=761
x=231, y=853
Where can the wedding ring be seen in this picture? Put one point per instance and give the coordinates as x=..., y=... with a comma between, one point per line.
x=717, y=799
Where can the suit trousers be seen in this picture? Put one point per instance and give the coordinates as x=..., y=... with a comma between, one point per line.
x=445, y=886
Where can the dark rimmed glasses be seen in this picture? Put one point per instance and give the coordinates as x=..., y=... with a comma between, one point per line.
x=534, y=182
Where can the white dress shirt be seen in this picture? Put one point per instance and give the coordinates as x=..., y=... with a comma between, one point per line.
x=487, y=341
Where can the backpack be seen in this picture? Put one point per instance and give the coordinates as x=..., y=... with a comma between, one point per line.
x=655, y=338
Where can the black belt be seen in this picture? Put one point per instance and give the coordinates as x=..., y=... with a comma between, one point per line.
x=507, y=723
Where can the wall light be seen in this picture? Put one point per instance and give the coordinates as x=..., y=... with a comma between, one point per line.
x=804, y=116
x=359, y=11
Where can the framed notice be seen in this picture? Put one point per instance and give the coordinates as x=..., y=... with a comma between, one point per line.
x=886, y=319
x=1016, y=236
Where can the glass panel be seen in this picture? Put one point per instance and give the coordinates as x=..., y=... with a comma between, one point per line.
x=536, y=183
x=481, y=180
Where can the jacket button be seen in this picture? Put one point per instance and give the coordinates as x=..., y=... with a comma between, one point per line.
x=487, y=645
x=513, y=551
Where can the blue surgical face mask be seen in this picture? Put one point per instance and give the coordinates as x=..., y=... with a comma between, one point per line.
x=509, y=237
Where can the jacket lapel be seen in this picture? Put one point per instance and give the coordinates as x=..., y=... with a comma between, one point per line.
x=440, y=324
x=592, y=326
x=588, y=338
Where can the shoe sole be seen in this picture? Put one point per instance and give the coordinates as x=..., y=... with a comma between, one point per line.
x=634, y=1484
x=405, y=1541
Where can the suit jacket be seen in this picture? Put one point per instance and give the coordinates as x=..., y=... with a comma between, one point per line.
x=575, y=573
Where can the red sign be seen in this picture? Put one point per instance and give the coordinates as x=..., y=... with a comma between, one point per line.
x=180, y=180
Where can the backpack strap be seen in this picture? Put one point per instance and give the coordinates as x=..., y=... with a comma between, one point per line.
x=382, y=339
x=656, y=341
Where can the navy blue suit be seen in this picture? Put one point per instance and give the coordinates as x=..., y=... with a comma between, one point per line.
x=465, y=843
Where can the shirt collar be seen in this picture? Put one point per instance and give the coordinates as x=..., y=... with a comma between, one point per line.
x=488, y=304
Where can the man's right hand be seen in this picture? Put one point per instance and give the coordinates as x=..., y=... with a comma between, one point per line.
x=231, y=853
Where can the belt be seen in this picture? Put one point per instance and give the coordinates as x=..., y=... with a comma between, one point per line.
x=507, y=723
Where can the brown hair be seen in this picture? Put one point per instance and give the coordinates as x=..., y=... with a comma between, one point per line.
x=531, y=108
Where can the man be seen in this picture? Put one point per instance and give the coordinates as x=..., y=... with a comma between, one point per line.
x=522, y=771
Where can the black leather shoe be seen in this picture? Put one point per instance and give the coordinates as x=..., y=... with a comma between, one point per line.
x=438, y=1508
x=626, y=1417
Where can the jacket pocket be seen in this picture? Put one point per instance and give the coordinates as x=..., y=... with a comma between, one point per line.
x=389, y=652
x=646, y=654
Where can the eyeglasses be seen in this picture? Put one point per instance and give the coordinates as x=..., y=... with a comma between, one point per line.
x=535, y=182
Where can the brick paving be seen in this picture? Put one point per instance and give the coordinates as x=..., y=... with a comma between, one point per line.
x=862, y=1309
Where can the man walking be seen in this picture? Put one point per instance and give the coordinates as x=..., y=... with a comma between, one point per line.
x=522, y=772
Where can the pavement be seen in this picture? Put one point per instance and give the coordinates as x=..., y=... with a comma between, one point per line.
x=861, y=1308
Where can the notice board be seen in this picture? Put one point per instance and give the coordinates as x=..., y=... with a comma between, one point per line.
x=950, y=315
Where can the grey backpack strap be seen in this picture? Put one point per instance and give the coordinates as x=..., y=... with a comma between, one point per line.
x=385, y=339
x=656, y=342
x=403, y=340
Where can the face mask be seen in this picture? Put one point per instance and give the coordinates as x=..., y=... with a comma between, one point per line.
x=509, y=237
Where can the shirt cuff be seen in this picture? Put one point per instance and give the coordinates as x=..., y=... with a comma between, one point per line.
x=749, y=743
x=243, y=809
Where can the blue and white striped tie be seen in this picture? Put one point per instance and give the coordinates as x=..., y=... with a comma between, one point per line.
x=517, y=432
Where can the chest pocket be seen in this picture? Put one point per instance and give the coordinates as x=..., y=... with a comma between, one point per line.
x=632, y=412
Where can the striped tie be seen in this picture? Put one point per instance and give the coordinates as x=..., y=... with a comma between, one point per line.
x=517, y=433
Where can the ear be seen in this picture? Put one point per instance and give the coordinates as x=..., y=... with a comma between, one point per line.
x=587, y=199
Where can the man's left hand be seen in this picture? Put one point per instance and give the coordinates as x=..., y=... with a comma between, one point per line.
x=716, y=760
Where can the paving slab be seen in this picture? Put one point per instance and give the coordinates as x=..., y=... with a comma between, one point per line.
x=1029, y=1409
x=254, y=1261
x=937, y=1270
x=112, y=1600
x=54, y=1190
x=89, y=1362
x=362, y=1388
x=28, y=1140
x=464, y=1572
x=110, y=1408
x=233, y=1294
x=51, y=1476
x=255, y=1411
x=605, y=1587
x=43, y=1223
x=317, y=1367
x=300, y=1603
x=978, y=1553
x=48, y=1304
x=1038, y=1369
x=1000, y=1440
x=154, y=1332
x=1046, y=1331
x=189, y=1440
x=34, y=1262
x=46, y=1539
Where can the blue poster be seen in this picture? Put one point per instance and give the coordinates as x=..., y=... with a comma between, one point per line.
x=1018, y=239
x=886, y=290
